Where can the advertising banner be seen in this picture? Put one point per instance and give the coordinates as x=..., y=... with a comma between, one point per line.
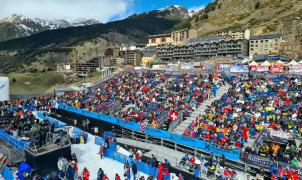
x=239, y=68
x=225, y=67
x=159, y=67
x=260, y=68
x=295, y=68
x=265, y=162
x=277, y=68
x=172, y=67
x=187, y=66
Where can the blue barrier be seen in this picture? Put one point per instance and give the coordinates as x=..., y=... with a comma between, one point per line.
x=141, y=166
x=57, y=123
x=78, y=132
x=7, y=174
x=233, y=154
x=16, y=144
x=99, y=141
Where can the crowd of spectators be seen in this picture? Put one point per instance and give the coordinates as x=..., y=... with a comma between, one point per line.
x=146, y=96
x=17, y=119
x=250, y=105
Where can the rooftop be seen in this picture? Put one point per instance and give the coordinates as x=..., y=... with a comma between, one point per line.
x=159, y=35
x=209, y=39
x=266, y=36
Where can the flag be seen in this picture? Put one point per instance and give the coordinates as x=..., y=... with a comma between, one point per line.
x=173, y=116
x=142, y=127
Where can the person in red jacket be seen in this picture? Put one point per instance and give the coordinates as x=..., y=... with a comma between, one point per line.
x=160, y=172
x=85, y=174
x=295, y=175
x=76, y=168
x=105, y=177
x=180, y=177
x=117, y=177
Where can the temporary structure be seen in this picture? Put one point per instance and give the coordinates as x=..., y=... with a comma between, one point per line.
x=266, y=63
x=279, y=62
x=253, y=63
x=293, y=62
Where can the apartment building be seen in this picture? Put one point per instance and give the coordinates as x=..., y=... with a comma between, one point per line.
x=133, y=57
x=159, y=39
x=291, y=49
x=239, y=34
x=180, y=37
x=149, y=54
x=204, y=48
x=265, y=44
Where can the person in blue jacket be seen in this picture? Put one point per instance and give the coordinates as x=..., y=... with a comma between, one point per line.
x=196, y=172
x=24, y=171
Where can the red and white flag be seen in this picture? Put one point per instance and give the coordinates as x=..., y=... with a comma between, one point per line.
x=173, y=116
x=142, y=127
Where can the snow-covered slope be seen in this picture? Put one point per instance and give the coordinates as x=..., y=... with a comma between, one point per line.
x=87, y=155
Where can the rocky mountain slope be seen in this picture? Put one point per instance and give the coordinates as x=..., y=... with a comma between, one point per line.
x=48, y=48
x=261, y=16
x=17, y=26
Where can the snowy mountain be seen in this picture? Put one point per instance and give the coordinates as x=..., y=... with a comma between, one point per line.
x=17, y=26
x=170, y=11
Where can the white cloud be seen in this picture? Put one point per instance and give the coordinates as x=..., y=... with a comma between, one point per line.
x=102, y=10
x=196, y=8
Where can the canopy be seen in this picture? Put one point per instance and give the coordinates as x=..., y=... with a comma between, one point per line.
x=279, y=62
x=266, y=63
x=253, y=63
x=293, y=62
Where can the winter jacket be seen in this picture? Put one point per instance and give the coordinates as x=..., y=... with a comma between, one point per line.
x=85, y=174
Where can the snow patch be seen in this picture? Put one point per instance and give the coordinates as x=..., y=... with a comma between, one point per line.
x=88, y=157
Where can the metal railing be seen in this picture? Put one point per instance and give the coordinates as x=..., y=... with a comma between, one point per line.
x=236, y=165
x=162, y=119
x=12, y=141
x=64, y=140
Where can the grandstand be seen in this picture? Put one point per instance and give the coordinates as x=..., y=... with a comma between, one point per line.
x=237, y=117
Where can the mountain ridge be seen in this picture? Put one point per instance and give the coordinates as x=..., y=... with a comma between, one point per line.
x=44, y=46
x=21, y=26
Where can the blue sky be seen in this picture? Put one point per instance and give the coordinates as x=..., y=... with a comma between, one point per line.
x=146, y=5
x=102, y=10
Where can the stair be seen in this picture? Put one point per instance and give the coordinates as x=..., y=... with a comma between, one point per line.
x=180, y=128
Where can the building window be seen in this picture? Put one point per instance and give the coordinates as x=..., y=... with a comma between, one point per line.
x=153, y=40
x=163, y=39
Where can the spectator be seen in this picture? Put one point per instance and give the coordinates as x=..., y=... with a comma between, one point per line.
x=117, y=177
x=167, y=164
x=101, y=151
x=100, y=174
x=134, y=169
x=127, y=171
x=105, y=177
x=85, y=174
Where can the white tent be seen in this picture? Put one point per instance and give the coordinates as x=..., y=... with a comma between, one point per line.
x=293, y=62
x=266, y=63
x=279, y=62
x=4, y=89
x=253, y=63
